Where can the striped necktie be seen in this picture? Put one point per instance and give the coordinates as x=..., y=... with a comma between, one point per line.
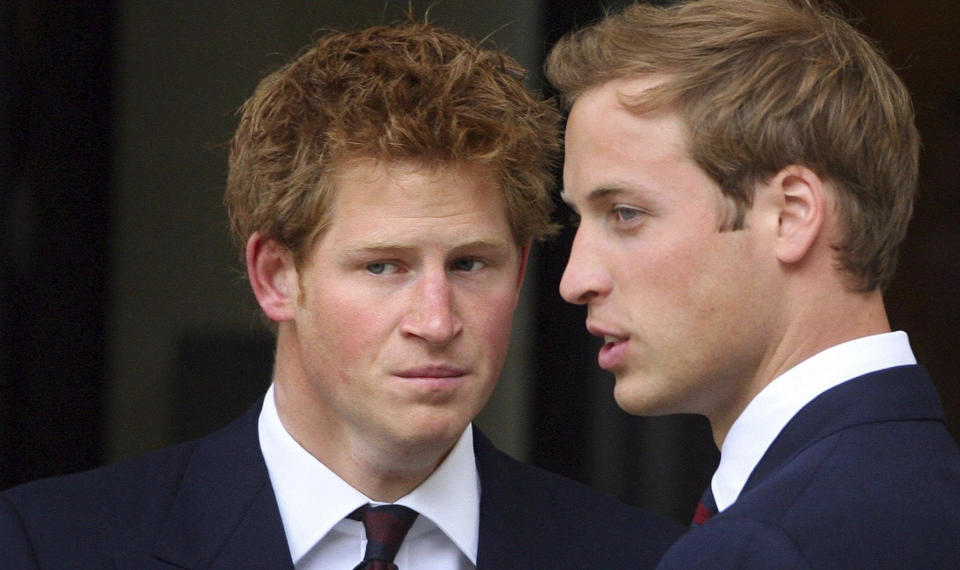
x=386, y=527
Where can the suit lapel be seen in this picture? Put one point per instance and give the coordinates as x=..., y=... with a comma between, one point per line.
x=225, y=514
x=895, y=394
x=506, y=509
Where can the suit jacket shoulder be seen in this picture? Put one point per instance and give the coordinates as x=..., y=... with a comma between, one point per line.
x=531, y=518
x=203, y=504
x=865, y=476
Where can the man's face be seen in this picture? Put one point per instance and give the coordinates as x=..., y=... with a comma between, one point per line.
x=678, y=302
x=406, y=303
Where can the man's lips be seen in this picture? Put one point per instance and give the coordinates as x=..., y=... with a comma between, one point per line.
x=612, y=353
x=433, y=371
x=614, y=345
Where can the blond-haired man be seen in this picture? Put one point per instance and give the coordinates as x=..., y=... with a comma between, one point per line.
x=744, y=173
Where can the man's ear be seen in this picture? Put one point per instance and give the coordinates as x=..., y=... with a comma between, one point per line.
x=803, y=211
x=273, y=277
x=524, y=260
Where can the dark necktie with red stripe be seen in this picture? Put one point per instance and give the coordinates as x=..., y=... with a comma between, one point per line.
x=386, y=526
x=706, y=508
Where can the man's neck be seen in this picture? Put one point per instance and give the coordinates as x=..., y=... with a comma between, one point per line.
x=382, y=474
x=821, y=324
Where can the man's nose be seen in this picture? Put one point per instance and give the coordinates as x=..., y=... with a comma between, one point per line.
x=584, y=278
x=433, y=316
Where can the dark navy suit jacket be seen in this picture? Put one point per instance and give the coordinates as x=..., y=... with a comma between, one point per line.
x=209, y=504
x=865, y=476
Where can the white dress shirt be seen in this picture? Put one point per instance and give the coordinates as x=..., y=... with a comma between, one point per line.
x=770, y=410
x=313, y=502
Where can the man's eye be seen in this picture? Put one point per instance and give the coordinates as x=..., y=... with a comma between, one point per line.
x=382, y=268
x=468, y=265
x=624, y=214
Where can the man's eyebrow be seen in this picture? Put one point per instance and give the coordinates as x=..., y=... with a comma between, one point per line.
x=375, y=246
x=597, y=195
x=394, y=246
x=603, y=193
x=483, y=244
x=489, y=242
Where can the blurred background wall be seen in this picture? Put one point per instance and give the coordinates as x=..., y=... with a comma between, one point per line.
x=125, y=320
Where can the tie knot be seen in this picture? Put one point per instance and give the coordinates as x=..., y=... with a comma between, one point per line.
x=386, y=526
x=706, y=508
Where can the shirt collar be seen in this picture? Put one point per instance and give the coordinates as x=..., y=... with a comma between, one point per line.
x=312, y=499
x=770, y=410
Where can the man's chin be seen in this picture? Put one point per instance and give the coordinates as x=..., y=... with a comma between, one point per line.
x=433, y=430
x=635, y=397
